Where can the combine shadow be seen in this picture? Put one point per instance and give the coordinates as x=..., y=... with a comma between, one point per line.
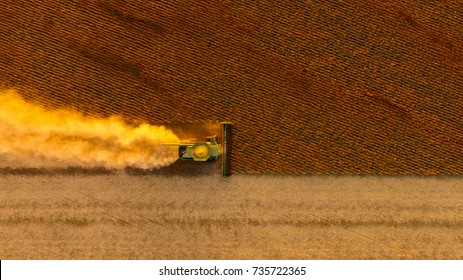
x=75, y=171
x=181, y=168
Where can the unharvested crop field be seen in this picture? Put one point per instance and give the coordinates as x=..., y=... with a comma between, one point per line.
x=133, y=216
x=312, y=87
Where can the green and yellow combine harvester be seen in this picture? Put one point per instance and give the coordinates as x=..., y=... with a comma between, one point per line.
x=208, y=150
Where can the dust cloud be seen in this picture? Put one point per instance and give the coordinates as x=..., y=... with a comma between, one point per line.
x=31, y=136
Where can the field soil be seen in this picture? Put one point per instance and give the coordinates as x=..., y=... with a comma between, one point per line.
x=140, y=216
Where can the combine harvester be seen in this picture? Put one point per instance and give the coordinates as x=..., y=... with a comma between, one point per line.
x=207, y=150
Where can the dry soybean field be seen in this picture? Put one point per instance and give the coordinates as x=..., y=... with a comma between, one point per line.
x=130, y=216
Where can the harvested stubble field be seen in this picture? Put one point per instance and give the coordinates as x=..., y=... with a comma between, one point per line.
x=123, y=216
